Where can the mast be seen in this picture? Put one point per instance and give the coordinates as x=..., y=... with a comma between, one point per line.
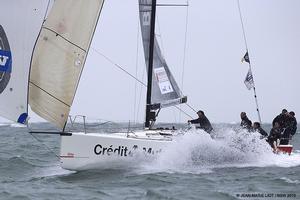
x=248, y=60
x=150, y=65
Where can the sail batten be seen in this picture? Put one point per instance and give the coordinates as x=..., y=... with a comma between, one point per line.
x=59, y=57
x=57, y=34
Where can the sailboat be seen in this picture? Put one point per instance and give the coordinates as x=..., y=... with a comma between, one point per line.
x=54, y=72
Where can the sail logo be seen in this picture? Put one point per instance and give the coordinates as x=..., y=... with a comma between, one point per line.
x=5, y=61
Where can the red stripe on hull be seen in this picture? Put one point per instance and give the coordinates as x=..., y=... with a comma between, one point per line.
x=285, y=148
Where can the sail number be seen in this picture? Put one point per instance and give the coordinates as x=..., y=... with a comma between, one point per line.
x=146, y=12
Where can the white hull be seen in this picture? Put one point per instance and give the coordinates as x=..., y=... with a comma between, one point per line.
x=82, y=151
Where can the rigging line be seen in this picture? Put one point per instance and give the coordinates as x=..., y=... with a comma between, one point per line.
x=118, y=66
x=183, y=112
x=136, y=71
x=42, y=143
x=191, y=107
x=184, y=49
x=98, y=124
x=140, y=98
x=242, y=23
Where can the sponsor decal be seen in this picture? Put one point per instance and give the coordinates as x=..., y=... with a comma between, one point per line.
x=163, y=80
x=5, y=60
x=122, y=151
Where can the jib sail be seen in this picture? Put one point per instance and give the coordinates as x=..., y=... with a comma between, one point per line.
x=59, y=57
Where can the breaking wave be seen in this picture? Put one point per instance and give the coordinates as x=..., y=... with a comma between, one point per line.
x=4, y=124
x=287, y=180
x=197, y=152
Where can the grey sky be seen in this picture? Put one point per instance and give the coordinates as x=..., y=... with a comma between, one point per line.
x=214, y=75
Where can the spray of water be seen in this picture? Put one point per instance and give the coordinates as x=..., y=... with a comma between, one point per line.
x=198, y=152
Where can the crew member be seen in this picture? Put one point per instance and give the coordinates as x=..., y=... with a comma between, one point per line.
x=290, y=128
x=258, y=128
x=275, y=136
x=202, y=121
x=281, y=119
x=293, y=123
x=246, y=123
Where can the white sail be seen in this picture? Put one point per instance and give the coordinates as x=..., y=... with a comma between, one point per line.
x=165, y=91
x=20, y=23
x=59, y=57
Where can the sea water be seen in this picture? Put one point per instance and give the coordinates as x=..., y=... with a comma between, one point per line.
x=232, y=165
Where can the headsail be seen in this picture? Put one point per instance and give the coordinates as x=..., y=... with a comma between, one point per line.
x=59, y=57
x=165, y=91
x=20, y=23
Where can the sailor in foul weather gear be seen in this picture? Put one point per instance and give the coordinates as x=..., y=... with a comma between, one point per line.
x=246, y=123
x=203, y=122
x=293, y=123
x=290, y=128
x=275, y=136
x=281, y=119
x=258, y=128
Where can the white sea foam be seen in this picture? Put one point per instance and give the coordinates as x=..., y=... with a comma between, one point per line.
x=196, y=152
x=4, y=124
x=55, y=170
x=15, y=125
x=290, y=180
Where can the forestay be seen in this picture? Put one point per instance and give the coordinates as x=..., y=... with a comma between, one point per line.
x=59, y=57
x=165, y=91
x=20, y=23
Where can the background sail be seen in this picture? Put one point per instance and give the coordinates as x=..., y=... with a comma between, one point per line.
x=165, y=90
x=59, y=57
x=20, y=24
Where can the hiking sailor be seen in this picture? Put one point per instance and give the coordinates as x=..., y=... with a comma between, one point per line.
x=246, y=123
x=203, y=122
x=274, y=137
x=281, y=119
x=289, y=129
x=258, y=128
x=293, y=123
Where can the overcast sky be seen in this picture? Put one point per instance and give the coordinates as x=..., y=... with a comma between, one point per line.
x=213, y=73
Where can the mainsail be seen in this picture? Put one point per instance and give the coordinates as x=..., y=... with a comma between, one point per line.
x=165, y=91
x=20, y=23
x=59, y=57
